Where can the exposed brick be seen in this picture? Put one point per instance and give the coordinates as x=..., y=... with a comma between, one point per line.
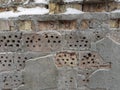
x=112, y=6
x=45, y=42
x=26, y=25
x=92, y=60
x=6, y=25
x=58, y=25
x=56, y=8
x=84, y=24
x=77, y=41
x=114, y=23
x=11, y=80
x=94, y=7
x=48, y=25
x=10, y=41
x=64, y=59
x=67, y=25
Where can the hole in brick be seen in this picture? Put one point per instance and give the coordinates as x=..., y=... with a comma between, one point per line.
x=5, y=44
x=89, y=54
x=83, y=62
x=9, y=64
x=39, y=39
x=5, y=60
x=13, y=41
x=10, y=60
x=71, y=63
x=70, y=80
x=3, y=64
x=4, y=37
x=48, y=41
x=8, y=41
x=16, y=36
x=17, y=45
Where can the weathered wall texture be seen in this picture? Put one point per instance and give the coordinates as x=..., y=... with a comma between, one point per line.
x=61, y=51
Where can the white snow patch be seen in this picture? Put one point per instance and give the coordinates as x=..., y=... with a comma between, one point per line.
x=24, y=11
x=118, y=0
x=42, y=1
x=72, y=0
x=8, y=14
x=73, y=11
x=36, y=10
x=115, y=11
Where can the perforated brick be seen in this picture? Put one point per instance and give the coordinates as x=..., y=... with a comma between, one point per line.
x=64, y=59
x=10, y=41
x=21, y=58
x=6, y=62
x=67, y=80
x=32, y=42
x=82, y=81
x=97, y=35
x=45, y=41
x=77, y=41
x=92, y=60
x=11, y=80
x=53, y=41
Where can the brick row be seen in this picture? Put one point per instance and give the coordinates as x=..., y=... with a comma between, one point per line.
x=83, y=21
x=49, y=41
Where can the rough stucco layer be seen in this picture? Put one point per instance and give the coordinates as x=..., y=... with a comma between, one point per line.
x=80, y=59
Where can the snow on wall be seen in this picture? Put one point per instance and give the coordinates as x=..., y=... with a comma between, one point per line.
x=42, y=1
x=72, y=11
x=24, y=11
x=71, y=0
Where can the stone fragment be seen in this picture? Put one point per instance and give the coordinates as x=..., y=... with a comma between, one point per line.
x=40, y=73
x=114, y=35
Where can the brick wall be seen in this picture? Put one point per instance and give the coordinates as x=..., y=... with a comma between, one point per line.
x=58, y=51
